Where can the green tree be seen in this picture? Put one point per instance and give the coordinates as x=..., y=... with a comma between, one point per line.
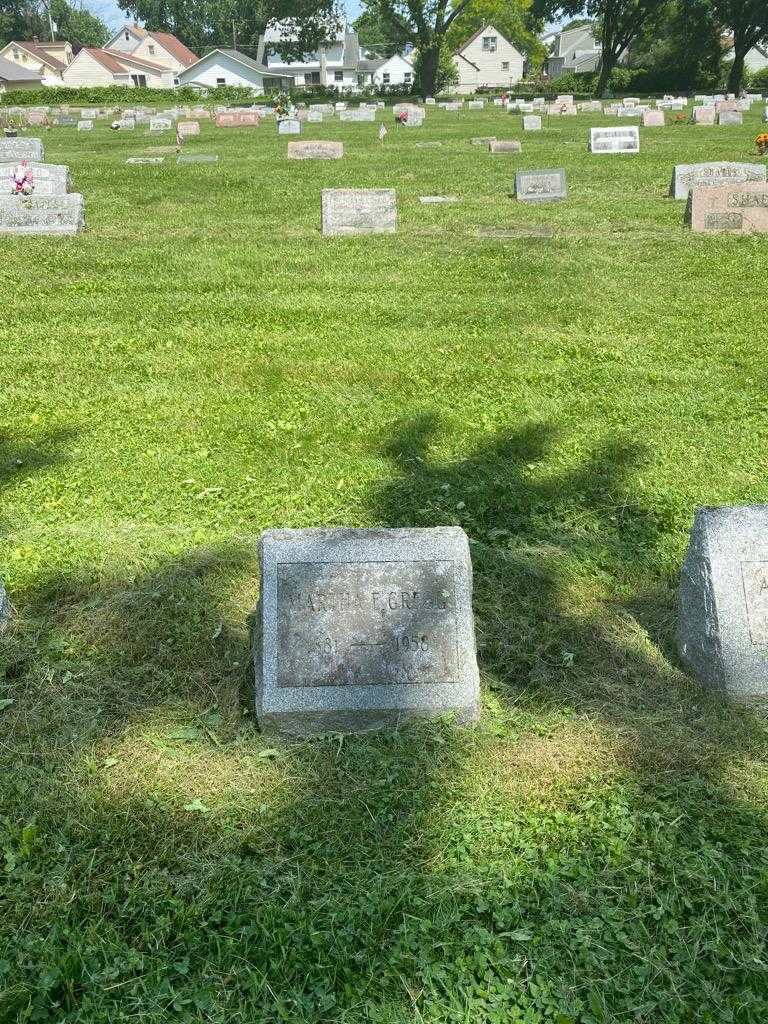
x=425, y=23
x=377, y=35
x=619, y=23
x=447, y=72
x=513, y=18
x=748, y=21
x=19, y=20
x=683, y=52
x=202, y=24
x=78, y=26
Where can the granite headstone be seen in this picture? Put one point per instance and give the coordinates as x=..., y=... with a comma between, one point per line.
x=359, y=211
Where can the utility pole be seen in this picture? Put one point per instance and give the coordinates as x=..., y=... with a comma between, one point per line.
x=234, y=35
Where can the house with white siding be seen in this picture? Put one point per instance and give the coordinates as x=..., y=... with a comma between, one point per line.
x=110, y=67
x=382, y=72
x=161, y=48
x=575, y=50
x=49, y=60
x=230, y=67
x=755, y=59
x=487, y=60
x=334, y=64
x=14, y=77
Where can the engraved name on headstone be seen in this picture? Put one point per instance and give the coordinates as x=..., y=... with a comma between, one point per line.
x=614, y=140
x=541, y=186
x=713, y=175
x=315, y=150
x=359, y=211
x=361, y=629
x=49, y=179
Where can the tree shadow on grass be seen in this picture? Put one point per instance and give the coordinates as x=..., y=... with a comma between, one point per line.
x=580, y=856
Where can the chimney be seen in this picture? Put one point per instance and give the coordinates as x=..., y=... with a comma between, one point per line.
x=35, y=39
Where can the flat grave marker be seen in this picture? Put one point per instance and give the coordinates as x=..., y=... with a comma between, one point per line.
x=359, y=211
x=315, y=150
x=541, y=186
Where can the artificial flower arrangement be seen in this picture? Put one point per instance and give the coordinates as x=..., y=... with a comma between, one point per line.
x=22, y=180
x=762, y=143
x=283, y=105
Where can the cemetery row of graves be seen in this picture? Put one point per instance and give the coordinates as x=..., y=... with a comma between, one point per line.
x=327, y=429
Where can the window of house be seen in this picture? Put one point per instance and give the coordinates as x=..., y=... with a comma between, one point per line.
x=151, y=50
x=312, y=78
x=15, y=54
x=127, y=36
x=489, y=44
x=221, y=81
x=338, y=76
x=407, y=77
x=385, y=78
x=505, y=65
x=139, y=81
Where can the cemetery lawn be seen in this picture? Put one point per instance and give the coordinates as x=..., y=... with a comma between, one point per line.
x=201, y=365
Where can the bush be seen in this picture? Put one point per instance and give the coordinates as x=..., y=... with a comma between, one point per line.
x=121, y=96
x=758, y=80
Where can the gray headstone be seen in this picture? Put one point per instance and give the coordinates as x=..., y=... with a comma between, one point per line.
x=289, y=126
x=430, y=200
x=723, y=628
x=49, y=179
x=197, y=158
x=42, y=215
x=5, y=608
x=85, y=126
x=160, y=124
x=540, y=186
x=532, y=123
x=363, y=629
x=145, y=160
x=730, y=117
x=315, y=117
x=712, y=175
x=359, y=211
x=21, y=149
x=483, y=140
x=361, y=114
x=504, y=146
x=315, y=150
x=65, y=121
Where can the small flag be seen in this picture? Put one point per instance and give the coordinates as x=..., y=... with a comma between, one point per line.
x=382, y=132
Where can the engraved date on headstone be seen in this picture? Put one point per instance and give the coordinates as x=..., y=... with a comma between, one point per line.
x=366, y=623
x=755, y=577
x=723, y=221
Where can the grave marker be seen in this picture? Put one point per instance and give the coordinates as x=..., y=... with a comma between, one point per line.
x=42, y=215
x=359, y=211
x=730, y=117
x=704, y=115
x=315, y=150
x=653, y=119
x=732, y=209
x=541, y=186
x=289, y=126
x=712, y=175
x=504, y=146
x=21, y=149
x=723, y=602
x=85, y=126
x=363, y=629
x=532, y=123
x=614, y=140
x=49, y=179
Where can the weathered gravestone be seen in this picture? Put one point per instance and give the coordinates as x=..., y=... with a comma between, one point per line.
x=712, y=175
x=145, y=160
x=730, y=209
x=65, y=121
x=315, y=150
x=475, y=105
x=730, y=117
x=483, y=140
x=315, y=117
x=49, y=179
x=723, y=605
x=541, y=186
x=20, y=149
x=504, y=146
x=5, y=608
x=364, y=629
x=532, y=123
x=85, y=126
x=42, y=215
x=431, y=200
x=126, y=124
x=614, y=140
x=289, y=126
x=187, y=129
x=359, y=211
x=704, y=115
x=653, y=119
x=197, y=158
x=89, y=114
x=160, y=124
x=361, y=114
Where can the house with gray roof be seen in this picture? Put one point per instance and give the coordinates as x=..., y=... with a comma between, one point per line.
x=337, y=63
x=13, y=76
x=231, y=67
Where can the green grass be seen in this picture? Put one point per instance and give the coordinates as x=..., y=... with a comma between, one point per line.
x=201, y=365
